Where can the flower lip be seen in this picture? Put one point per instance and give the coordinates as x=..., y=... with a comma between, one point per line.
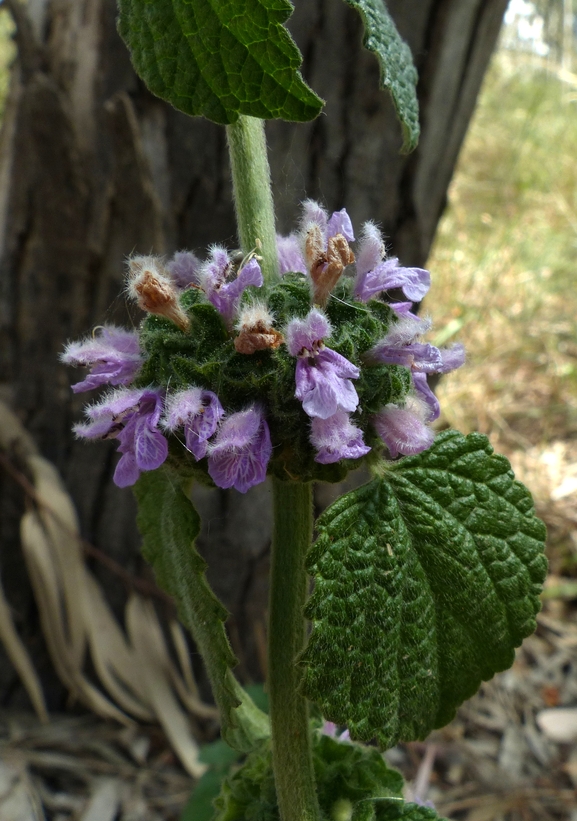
x=131, y=416
x=241, y=451
x=337, y=438
x=306, y=334
x=198, y=412
x=375, y=273
x=222, y=291
x=403, y=429
x=113, y=357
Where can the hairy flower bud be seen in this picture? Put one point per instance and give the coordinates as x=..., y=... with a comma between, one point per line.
x=152, y=288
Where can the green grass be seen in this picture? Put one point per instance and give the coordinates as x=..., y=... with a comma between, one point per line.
x=504, y=263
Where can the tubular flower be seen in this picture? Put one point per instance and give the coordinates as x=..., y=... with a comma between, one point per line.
x=198, y=412
x=113, y=357
x=323, y=376
x=132, y=417
x=403, y=430
x=241, y=452
x=337, y=438
x=223, y=285
x=400, y=348
x=376, y=274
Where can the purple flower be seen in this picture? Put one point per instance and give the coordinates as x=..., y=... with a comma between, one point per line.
x=403, y=430
x=183, y=269
x=113, y=356
x=424, y=393
x=339, y=222
x=198, y=412
x=403, y=309
x=132, y=417
x=337, y=438
x=330, y=729
x=223, y=286
x=400, y=348
x=240, y=455
x=290, y=257
x=376, y=274
x=323, y=376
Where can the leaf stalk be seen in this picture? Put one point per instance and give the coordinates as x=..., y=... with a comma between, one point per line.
x=252, y=192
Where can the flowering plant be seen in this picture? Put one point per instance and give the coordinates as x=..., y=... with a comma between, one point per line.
x=291, y=360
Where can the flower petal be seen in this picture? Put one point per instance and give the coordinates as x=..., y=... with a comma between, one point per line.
x=304, y=333
x=403, y=430
x=340, y=223
x=337, y=438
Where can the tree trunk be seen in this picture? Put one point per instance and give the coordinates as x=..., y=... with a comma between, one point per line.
x=93, y=168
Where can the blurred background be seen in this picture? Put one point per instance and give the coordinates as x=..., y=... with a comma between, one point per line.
x=493, y=214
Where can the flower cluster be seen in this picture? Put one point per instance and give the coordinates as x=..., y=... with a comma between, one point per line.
x=303, y=377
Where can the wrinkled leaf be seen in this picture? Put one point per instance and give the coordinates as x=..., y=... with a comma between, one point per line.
x=398, y=74
x=409, y=812
x=219, y=59
x=169, y=525
x=426, y=581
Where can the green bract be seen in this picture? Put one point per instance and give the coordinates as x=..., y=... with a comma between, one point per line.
x=398, y=74
x=347, y=775
x=205, y=357
x=425, y=582
x=219, y=59
x=169, y=525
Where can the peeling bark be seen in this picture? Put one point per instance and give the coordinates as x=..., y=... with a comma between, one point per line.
x=93, y=168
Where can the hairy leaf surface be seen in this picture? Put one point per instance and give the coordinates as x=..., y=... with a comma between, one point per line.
x=169, y=525
x=219, y=59
x=426, y=581
x=398, y=74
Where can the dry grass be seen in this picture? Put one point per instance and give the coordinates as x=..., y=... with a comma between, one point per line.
x=504, y=265
x=7, y=53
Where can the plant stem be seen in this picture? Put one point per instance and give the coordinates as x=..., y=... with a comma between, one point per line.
x=252, y=191
x=291, y=742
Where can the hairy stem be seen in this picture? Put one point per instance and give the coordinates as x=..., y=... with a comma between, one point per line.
x=252, y=191
x=291, y=742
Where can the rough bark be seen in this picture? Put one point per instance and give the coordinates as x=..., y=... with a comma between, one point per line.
x=92, y=168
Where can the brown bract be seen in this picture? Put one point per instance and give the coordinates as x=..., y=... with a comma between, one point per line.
x=154, y=291
x=327, y=266
x=257, y=338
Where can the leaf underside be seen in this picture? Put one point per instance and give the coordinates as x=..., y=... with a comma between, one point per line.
x=169, y=525
x=398, y=74
x=425, y=582
x=219, y=58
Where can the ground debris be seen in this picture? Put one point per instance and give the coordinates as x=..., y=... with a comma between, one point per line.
x=87, y=769
x=498, y=760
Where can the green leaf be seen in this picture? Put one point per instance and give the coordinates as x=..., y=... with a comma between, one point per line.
x=200, y=806
x=169, y=524
x=426, y=581
x=409, y=812
x=349, y=778
x=398, y=74
x=219, y=59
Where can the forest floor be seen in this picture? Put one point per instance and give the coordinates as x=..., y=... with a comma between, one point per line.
x=503, y=283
